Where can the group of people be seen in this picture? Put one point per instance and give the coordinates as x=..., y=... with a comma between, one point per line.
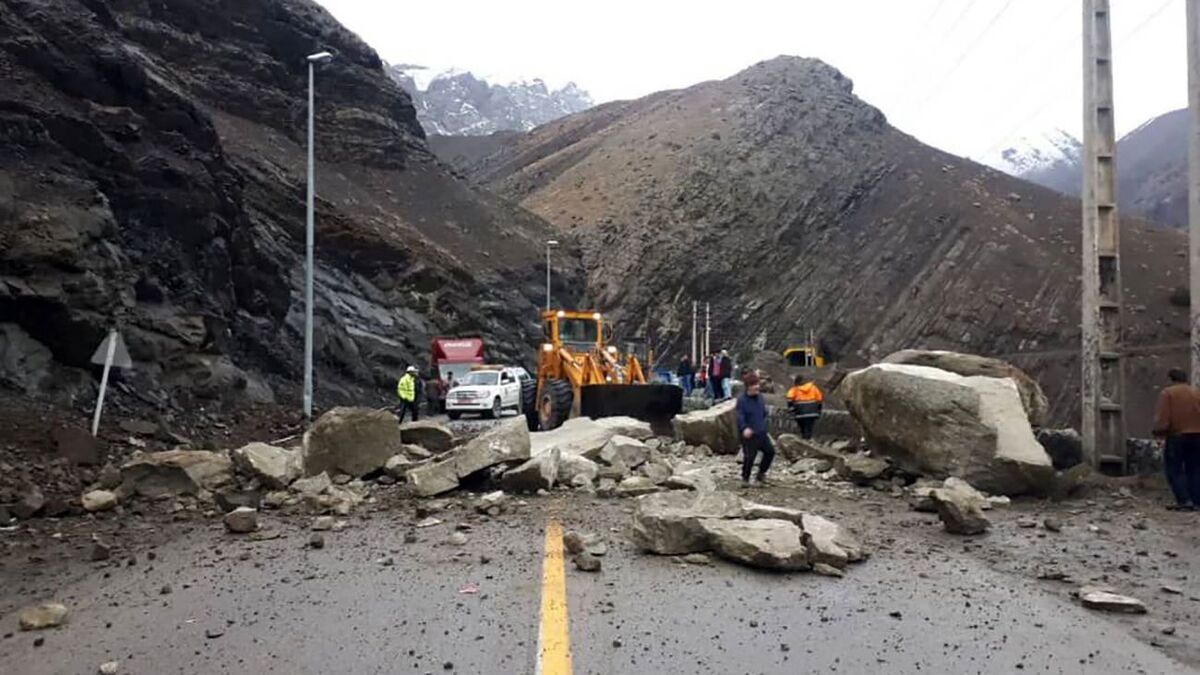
x=715, y=375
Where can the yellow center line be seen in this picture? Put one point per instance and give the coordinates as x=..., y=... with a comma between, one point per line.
x=554, y=637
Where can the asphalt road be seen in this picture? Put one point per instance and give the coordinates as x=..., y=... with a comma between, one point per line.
x=372, y=602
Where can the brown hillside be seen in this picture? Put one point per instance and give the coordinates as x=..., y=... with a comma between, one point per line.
x=792, y=205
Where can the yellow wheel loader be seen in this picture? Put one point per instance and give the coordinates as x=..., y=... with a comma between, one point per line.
x=578, y=373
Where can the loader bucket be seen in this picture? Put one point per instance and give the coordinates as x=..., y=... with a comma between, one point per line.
x=648, y=402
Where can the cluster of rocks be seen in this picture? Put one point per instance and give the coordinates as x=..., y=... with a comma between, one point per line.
x=757, y=535
x=616, y=456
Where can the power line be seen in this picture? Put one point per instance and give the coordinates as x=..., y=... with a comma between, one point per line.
x=963, y=56
x=1065, y=77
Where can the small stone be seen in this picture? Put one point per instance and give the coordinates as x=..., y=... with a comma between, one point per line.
x=317, y=540
x=429, y=522
x=100, y=551
x=109, y=668
x=697, y=559
x=322, y=523
x=241, y=520
x=1173, y=590
x=573, y=542
x=1105, y=600
x=1052, y=524
x=45, y=615
x=828, y=570
x=1026, y=523
x=896, y=614
x=586, y=562
x=98, y=500
x=213, y=633
x=410, y=537
x=458, y=539
x=617, y=643
x=1168, y=630
x=165, y=590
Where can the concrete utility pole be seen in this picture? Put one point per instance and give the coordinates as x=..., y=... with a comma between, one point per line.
x=549, y=245
x=707, y=328
x=1193, y=51
x=1102, y=385
x=313, y=60
x=695, y=310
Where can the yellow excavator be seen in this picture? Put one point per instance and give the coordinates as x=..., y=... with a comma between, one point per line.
x=578, y=373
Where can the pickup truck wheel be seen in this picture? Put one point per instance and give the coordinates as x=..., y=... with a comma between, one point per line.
x=453, y=414
x=495, y=412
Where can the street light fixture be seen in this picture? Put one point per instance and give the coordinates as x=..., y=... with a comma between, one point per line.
x=313, y=59
x=549, y=244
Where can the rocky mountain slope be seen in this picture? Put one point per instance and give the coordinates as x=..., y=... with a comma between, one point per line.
x=1151, y=171
x=152, y=176
x=457, y=103
x=792, y=205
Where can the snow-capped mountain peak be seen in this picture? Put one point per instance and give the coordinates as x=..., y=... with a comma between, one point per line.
x=1038, y=153
x=458, y=102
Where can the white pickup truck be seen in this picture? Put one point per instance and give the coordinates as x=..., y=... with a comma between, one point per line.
x=487, y=391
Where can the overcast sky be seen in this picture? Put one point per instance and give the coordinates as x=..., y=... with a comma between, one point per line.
x=969, y=76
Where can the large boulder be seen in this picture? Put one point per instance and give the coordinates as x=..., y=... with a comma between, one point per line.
x=433, y=436
x=794, y=448
x=676, y=523
x=572, y=467
x=625, y=451
x=626, y=426
x=506, y=442
x=176, y=472
x=830, y=543
x=669, y=523
x=960, y=512
x=537, y=473
x=715, y=427
x=940, y=424
x=353, y=441
x=769, y=544
x=1036, y=406
x=274, y=467
x=577, y=436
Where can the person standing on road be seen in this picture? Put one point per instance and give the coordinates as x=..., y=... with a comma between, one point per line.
x=687, y=375
x=409, y=390
x=726, y=368
x=1177, y=424
x=752, y=427
x=716, y=378
x=435, y=394
x=806, y=400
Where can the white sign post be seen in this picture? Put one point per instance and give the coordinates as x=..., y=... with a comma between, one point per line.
x=111, y=352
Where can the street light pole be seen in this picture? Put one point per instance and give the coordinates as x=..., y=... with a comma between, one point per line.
x=549, y=244
x=308, y=245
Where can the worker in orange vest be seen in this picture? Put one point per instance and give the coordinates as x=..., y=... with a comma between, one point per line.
x=805, y=401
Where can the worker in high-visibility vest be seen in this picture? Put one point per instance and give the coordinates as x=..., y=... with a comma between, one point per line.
x=805, y=401
x=409, y=390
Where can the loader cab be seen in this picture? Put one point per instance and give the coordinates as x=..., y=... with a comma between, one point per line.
x=580, y=331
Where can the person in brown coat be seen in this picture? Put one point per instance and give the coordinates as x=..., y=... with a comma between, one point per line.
x=1177, y=423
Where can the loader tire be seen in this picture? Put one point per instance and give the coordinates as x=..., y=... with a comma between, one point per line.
x=555, y=405
x=529, y=407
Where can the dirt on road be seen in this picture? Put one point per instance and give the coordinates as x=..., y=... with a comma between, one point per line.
x=394, y=591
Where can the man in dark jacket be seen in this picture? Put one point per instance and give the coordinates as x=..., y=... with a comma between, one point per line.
x=1177, y=423
x=687, y=375
x=752, y=427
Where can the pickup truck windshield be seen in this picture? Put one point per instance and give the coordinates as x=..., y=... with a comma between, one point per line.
x=480, y=378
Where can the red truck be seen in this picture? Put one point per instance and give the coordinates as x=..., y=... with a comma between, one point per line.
x=454, y=357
